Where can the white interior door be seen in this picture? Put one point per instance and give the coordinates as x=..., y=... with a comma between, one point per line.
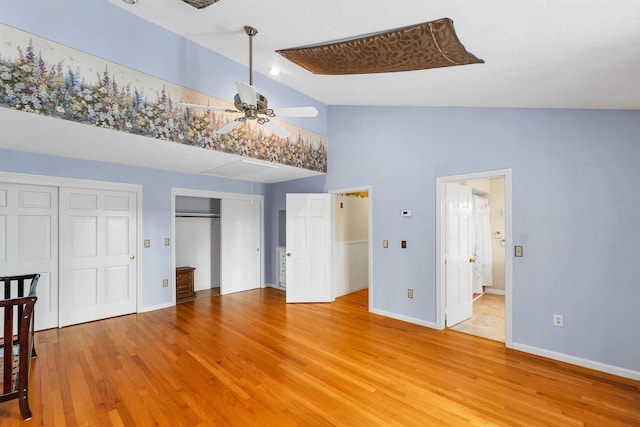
x=29, y=243
x=97, y=254
x=458, y=253
x=240, y=257
x=309, y=248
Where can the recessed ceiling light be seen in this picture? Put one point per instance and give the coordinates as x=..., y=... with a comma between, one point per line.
x=274, y=71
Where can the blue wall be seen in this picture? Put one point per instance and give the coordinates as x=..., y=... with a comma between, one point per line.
x=575, y=204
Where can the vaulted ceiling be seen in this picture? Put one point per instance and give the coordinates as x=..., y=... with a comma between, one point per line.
x=537, y=53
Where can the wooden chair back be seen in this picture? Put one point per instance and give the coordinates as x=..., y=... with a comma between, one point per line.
x=17, y=347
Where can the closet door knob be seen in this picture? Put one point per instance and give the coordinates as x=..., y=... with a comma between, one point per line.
x=288, y=253
x=131, y=256
x=472, y=260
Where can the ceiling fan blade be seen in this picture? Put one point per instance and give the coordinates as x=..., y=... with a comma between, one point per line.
x=277, y=129
x=296, y=112
x=229, y=126
x=206, y=107
x=247, y=93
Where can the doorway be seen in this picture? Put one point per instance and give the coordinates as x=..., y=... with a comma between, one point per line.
x=197, y=244
x=344, y=278
x=351, y=242
x=494, y=189
x=352, y=230
x=230, y=228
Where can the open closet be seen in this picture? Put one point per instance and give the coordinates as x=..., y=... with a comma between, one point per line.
x=197, y=245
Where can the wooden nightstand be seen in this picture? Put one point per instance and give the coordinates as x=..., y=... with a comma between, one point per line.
x=184, y=282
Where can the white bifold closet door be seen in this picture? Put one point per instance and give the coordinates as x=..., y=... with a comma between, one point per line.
x=29, y=243
x=97, y=254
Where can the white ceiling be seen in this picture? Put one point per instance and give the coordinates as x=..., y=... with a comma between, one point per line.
x=537, y=53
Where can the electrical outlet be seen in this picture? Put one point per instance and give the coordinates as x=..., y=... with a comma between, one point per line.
x=147, y=243
x=404, y=244
x=558, y=320
x=165, y=283
x=385, y=244
x=166, y=241
x=410, y=293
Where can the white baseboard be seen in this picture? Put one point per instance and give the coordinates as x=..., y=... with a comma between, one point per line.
x=155, y=307
x=409, y=319
x=350, y=291
x=585, y=363
x=494, y=291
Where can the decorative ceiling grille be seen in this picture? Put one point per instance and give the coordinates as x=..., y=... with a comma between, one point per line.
x=431, y=44
x=200, y=4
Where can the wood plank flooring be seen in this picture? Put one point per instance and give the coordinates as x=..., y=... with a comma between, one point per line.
x=248, y=359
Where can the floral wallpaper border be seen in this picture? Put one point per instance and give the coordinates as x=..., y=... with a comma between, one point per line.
x=42, y=77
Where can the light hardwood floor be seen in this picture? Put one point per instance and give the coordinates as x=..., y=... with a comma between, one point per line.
x=248, y=359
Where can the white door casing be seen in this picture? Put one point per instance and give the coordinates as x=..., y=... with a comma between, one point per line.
x=309, y=237
x=29, y=243
x=98, y=230
x=458, y=253
x=240, y=255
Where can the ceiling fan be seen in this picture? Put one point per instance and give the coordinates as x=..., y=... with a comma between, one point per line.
x=253, y=106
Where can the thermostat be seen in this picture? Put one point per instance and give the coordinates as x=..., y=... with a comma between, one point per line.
x=405, y=212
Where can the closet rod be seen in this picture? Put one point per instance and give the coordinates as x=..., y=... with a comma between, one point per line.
x=196, y=215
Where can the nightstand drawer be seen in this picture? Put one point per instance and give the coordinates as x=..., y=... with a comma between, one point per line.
x=184, y=282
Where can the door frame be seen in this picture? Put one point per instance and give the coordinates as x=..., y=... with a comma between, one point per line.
x=506, y=174
x=61, y=182
x=208, y=194
x=333, y=193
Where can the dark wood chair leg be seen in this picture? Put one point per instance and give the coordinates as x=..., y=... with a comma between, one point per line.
x=25, y=410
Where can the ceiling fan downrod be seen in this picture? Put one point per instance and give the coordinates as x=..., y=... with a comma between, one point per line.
x=250, y=32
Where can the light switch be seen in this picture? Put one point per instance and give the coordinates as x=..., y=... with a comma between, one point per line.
x=147, y=243
x=404, y=244
x=518, y=251
x=385, y=244
x=166, y=241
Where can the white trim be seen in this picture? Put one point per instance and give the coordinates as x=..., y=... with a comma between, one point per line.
x=156, y=307
x=175, y=191
x=62, y=182
x=369, y=190
x=440, y=236
x=408, y=319
x=352, y=242
x=21, y=178
x=494, y=291
x=585, y=363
